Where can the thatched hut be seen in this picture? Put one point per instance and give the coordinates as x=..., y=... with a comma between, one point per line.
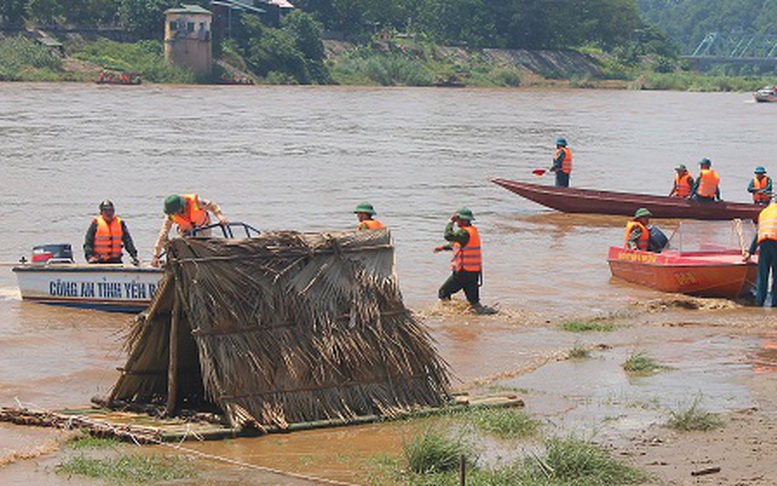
x=282, y=328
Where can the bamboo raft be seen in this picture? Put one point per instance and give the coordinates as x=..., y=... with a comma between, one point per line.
x=146, y=428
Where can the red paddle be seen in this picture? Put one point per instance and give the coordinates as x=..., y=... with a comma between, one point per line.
x=539, y=172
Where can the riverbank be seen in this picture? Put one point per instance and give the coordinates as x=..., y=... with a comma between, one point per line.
x=391, y=62
x=717, y=361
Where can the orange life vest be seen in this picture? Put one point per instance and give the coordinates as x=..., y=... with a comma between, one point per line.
x=468, y=258
x=193, y=216
x=566, y=164
x=759, y=197
x=370, y=224
x=708, y=183
x=767, y=223
x=107, y=239
x=642, y=242
x=682, y=188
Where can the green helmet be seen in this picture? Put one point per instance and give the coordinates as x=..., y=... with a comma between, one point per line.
x=365, y=207
x=107, y=204
x=465, y=213
x=760, y=170
x=173, y=204
x=642, y=213
x=705, y=161
x=681, y=167
x=561, y=141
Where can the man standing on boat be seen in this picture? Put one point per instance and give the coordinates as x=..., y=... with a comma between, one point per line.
x=189, y=212
x=761, y=186
x=637, y=234
x=562, y=163
x=467, y=261
x=707, y=185
x=766, y=243
x=106, y=236
x=683, y=183
x=365, y=212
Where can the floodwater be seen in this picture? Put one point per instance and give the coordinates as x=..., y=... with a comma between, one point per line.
x=302, y=157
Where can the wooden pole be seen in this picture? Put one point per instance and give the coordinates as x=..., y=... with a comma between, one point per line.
x=172, y=364
x=462, y=470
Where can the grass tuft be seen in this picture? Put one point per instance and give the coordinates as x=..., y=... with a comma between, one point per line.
x=128, y=469
x=693, y=417
x=579, y=351
x=505, y=422
x=88, y=442
x=587, y=326
x=642, y=364
x=434, y=452
x=569, y=461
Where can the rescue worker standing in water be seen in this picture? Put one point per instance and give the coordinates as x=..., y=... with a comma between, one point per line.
x=637, y=233
x=765, y=241
x=467, y=261
x=189, y=212
x=562, y=163
x=106, y=237
x=707, y=185
x=761, y=186
x=365, y=212
x=683, y=182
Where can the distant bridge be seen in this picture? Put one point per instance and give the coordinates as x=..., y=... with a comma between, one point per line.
x=715, y=48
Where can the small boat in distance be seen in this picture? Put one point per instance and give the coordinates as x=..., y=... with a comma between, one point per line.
x=765, y=95
x=702, y=259
x=574, y=200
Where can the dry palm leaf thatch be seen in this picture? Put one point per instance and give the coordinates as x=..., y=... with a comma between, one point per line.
x=283, y=328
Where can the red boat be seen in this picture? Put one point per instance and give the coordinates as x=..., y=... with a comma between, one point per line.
x=698, y=261
x=573, y=200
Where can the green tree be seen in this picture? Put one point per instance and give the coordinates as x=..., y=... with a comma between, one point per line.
x=144, y=18
x=13, y=11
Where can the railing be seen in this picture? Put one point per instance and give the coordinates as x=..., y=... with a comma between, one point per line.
x=226, y=230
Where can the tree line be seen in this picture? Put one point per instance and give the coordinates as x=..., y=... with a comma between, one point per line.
x=689, y=21
x=520, y=24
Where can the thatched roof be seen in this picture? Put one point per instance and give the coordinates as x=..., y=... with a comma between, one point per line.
x=282, y=328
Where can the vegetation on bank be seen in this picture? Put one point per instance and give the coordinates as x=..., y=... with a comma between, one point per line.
x=434, y=457
x=103, y=459
x=395, y=44
x=693, y=417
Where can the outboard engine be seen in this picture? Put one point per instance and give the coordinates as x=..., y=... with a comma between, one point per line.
x=658, y=239
x=54, y=253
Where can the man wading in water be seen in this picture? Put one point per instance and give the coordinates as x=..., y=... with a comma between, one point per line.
x=467, y=261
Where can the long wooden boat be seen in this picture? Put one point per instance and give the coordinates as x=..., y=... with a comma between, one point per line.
x=703, y=274
x=574, y=200
x=119, y=288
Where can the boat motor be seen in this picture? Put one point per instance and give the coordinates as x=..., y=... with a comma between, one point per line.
x=53, y=253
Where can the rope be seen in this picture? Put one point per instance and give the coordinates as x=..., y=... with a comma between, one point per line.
x=740, y=234
x=72, y=422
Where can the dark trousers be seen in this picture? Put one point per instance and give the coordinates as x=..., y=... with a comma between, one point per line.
x=767, y=261
x=562, y=178
x=469, y=281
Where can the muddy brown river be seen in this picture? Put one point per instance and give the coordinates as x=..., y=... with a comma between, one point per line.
x=301, y=158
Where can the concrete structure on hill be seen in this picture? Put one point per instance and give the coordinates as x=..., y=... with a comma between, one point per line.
x=188, y=38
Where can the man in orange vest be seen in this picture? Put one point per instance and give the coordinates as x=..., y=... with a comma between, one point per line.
x=189, y=212
x=365, y=212
x=683, y=182
x=761, y=186
x=765, y=241
x=562, y=163
x=467, y=261
x=707, y=185
x=637, y=234
x=106, y=237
